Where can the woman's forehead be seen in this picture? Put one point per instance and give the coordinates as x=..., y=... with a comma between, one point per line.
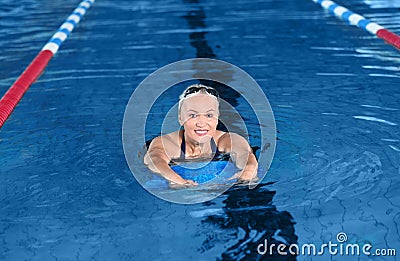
x=200, y=103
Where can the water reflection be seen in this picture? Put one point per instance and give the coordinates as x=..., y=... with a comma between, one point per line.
x=246, y=220
x=383, y=3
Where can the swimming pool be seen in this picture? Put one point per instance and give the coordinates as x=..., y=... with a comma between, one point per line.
x=66, y=192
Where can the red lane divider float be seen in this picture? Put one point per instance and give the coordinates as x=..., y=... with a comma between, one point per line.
x=360, y=21
x=37, y=66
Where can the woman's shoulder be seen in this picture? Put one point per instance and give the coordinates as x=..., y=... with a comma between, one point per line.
x=220, y=135
x=168, y=139
x=223, y=136
x=167, y=144
x=226, y=139
x=222, y=139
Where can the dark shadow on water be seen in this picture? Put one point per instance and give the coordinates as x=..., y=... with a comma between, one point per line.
x=195, y=19
x=248, y=218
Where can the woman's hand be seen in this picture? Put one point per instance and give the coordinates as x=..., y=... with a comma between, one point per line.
x=184, y=183
x=245, y=176
x=250, y=176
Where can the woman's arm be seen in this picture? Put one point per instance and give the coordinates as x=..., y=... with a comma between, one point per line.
x=242, y=154
x=157, y=161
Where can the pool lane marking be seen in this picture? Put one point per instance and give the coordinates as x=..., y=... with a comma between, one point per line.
x=360, y=21
x=14, y=94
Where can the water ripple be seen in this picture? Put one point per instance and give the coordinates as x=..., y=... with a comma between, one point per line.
x=368, y=118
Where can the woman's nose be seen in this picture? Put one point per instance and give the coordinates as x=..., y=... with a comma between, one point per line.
x=200, y=120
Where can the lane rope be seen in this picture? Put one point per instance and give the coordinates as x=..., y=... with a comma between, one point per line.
x=14, y=94
x=360, y=21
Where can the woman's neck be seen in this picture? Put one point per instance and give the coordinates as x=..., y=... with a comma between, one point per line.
x=196, y=149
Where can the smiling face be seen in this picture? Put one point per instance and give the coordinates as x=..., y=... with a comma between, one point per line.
x=199, y=116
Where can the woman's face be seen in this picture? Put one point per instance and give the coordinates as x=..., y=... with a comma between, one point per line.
x=199, y=116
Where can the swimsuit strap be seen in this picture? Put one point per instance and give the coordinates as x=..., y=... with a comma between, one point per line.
x=183, y=147
x=214, y=148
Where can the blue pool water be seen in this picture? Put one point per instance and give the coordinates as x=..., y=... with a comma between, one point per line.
x=67, y=193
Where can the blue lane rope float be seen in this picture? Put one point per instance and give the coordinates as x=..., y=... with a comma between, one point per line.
x=360, y=21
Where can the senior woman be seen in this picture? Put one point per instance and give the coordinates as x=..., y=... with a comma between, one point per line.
x=199, y=138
